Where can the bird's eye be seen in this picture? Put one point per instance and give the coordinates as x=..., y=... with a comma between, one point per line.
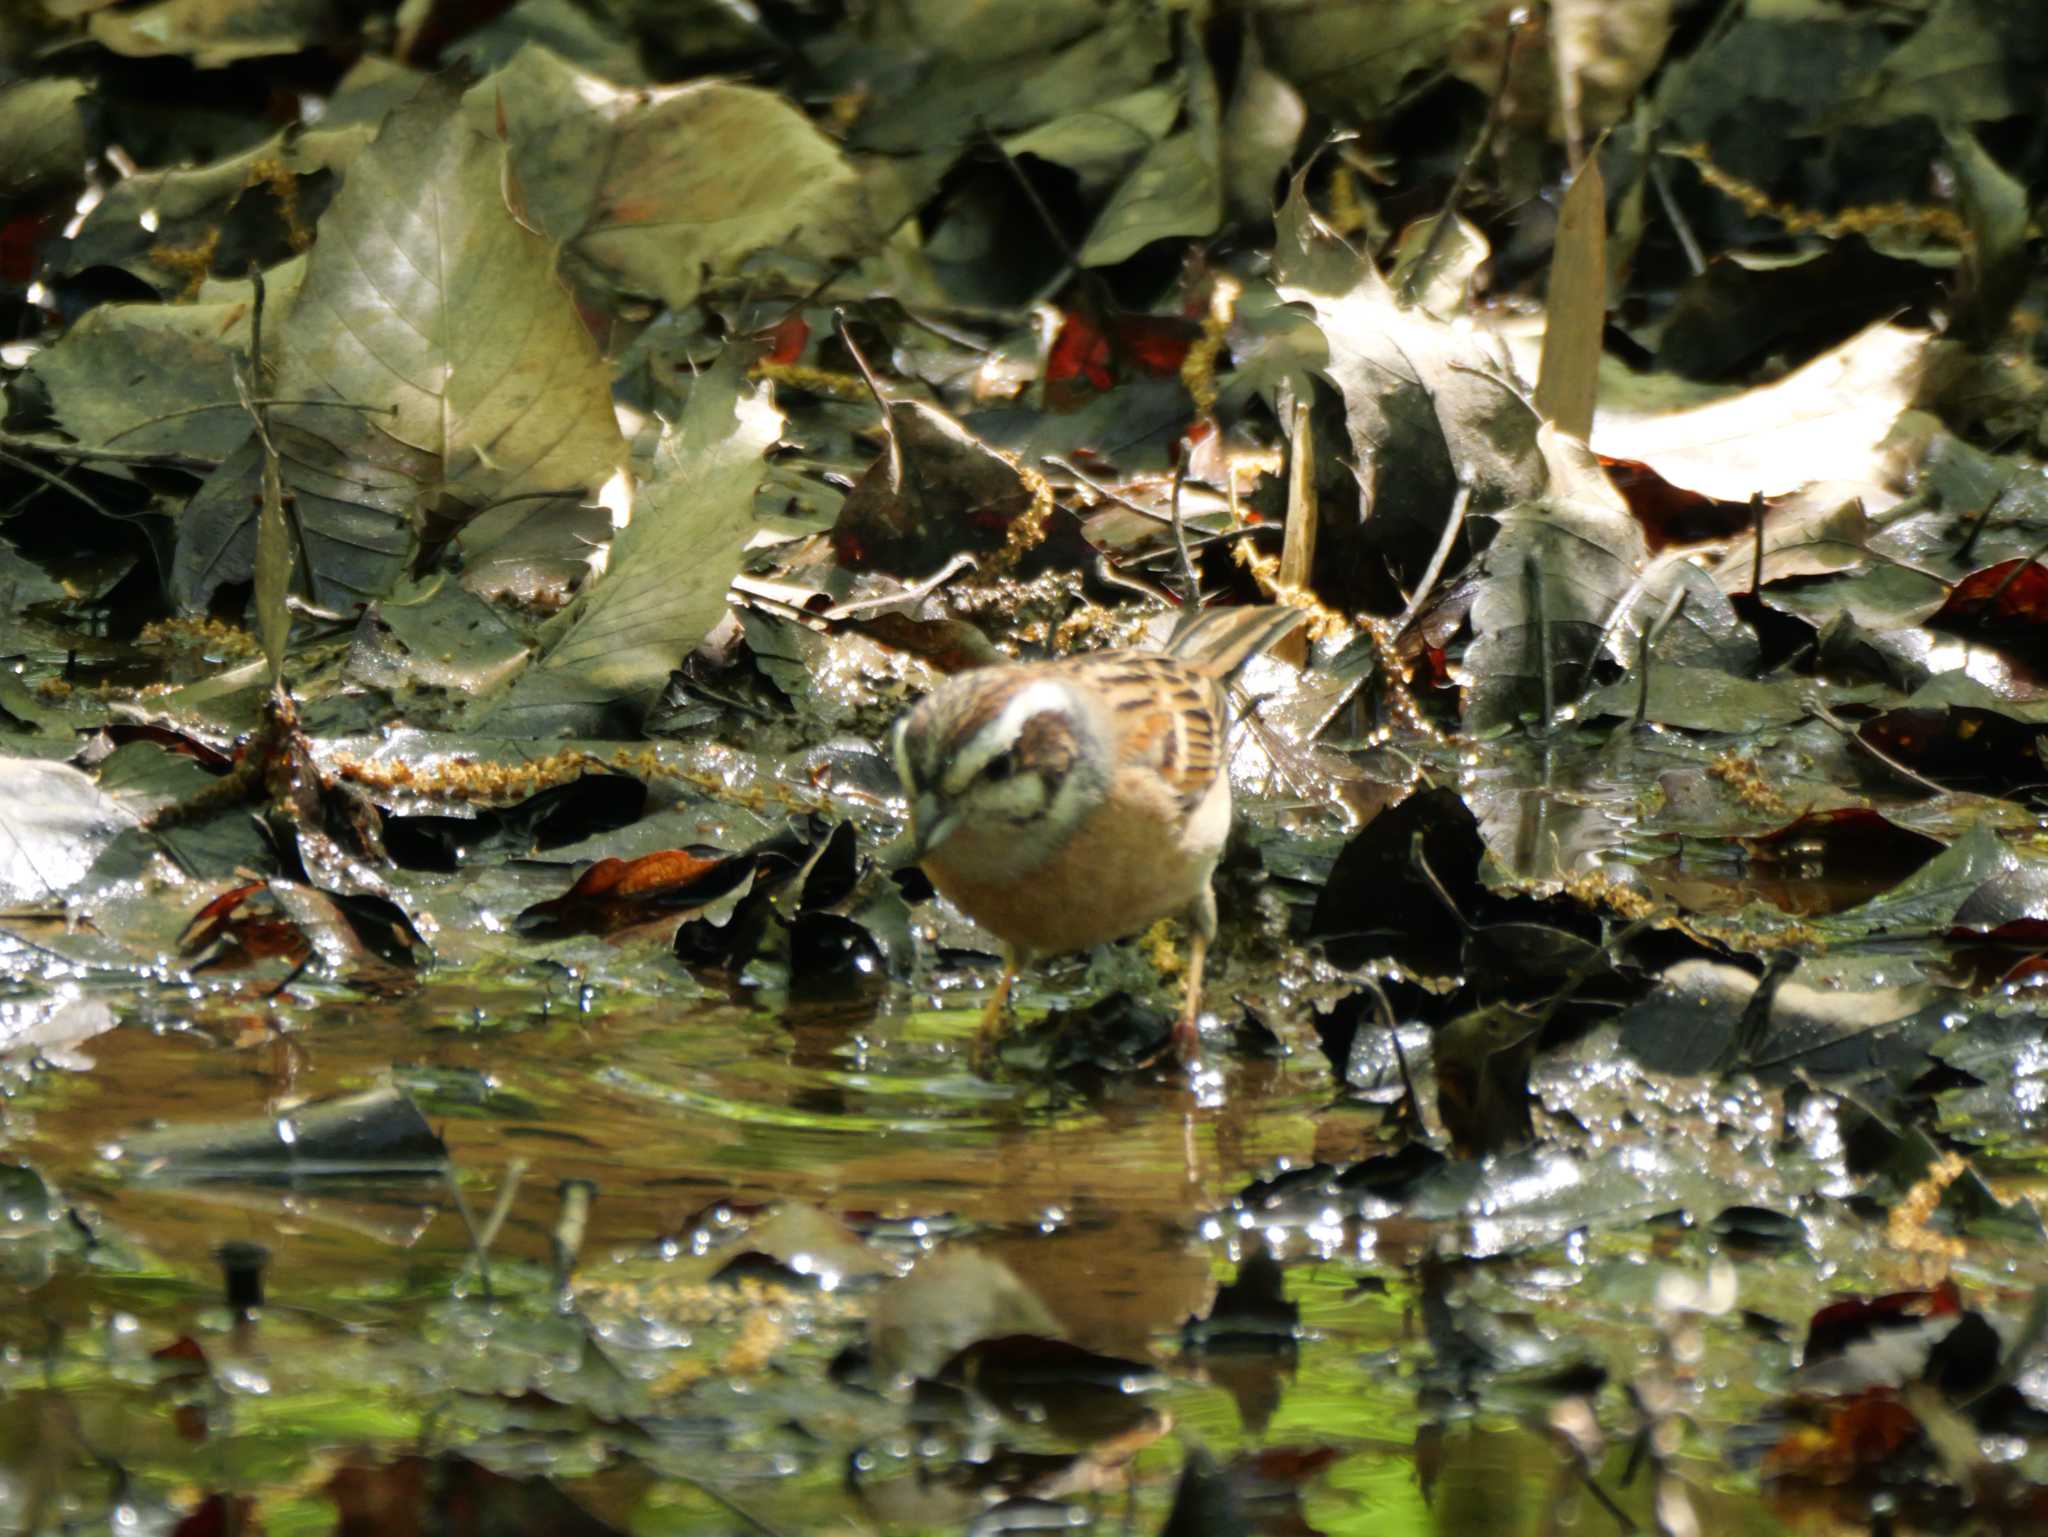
x=1000, y=767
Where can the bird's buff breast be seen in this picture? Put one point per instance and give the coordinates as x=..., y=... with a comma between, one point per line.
x=1126, y=867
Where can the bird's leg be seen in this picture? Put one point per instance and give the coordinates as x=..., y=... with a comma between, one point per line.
x=1187, y=1029
x=996, y=1015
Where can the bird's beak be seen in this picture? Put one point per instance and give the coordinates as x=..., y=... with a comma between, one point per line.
x=931, y=824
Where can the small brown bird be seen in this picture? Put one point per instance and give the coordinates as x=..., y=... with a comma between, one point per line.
x=1066, y=804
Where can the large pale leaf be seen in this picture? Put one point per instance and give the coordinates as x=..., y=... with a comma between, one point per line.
x=665, y=586
x=427, y=303
x=658, y=189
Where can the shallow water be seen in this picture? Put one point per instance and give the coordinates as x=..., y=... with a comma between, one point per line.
x=383, y=1369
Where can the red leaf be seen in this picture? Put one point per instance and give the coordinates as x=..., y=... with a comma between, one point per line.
x=1671, y=514
x=787, y=338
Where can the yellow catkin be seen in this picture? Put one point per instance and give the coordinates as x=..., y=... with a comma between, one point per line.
x=762, y=1333
x=1943, y=224
x=818, y=381
x=190, y=264
x=1324, y=622
x=210, y=635
x=1742, y=776
x=1347, y=209
x=271, y=172
x=1027, y=530
x=1906, y=1229
x=1158, y=948
x=471, y=780
x=1198, y=368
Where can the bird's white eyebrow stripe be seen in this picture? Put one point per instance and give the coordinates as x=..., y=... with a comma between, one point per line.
x=1000, y=734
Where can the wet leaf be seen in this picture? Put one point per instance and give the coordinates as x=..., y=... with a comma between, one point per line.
x=377, y=1132
x=665, y=585
x=54, y=822
x=617, y=894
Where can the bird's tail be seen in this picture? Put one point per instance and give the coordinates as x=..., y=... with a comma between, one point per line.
x=1222, y=640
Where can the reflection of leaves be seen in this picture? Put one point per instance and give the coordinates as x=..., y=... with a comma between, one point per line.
x=380, y=1131
x=947, y=1303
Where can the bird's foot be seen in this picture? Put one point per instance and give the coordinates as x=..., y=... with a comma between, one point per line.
x=995, y=1021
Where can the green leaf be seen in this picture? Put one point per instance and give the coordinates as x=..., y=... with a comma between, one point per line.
x=665, y=587
x=1176, y=189
x=135, y=376
x=214, y=33
x=656, y=189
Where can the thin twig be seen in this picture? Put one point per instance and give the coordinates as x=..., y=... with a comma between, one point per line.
x=1453, y=525
x=1983, y=519
x=1059, y=237
x=1660, y=178
x=85, y=454
x=239, y=405
x=916, y=594
x=50, y=477
x=1439, y=230
x=479, y=1250
x=1532, y=577
x=1857, y=739
x=1756, y=560
x=1652, y=633
x=1180, y=539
